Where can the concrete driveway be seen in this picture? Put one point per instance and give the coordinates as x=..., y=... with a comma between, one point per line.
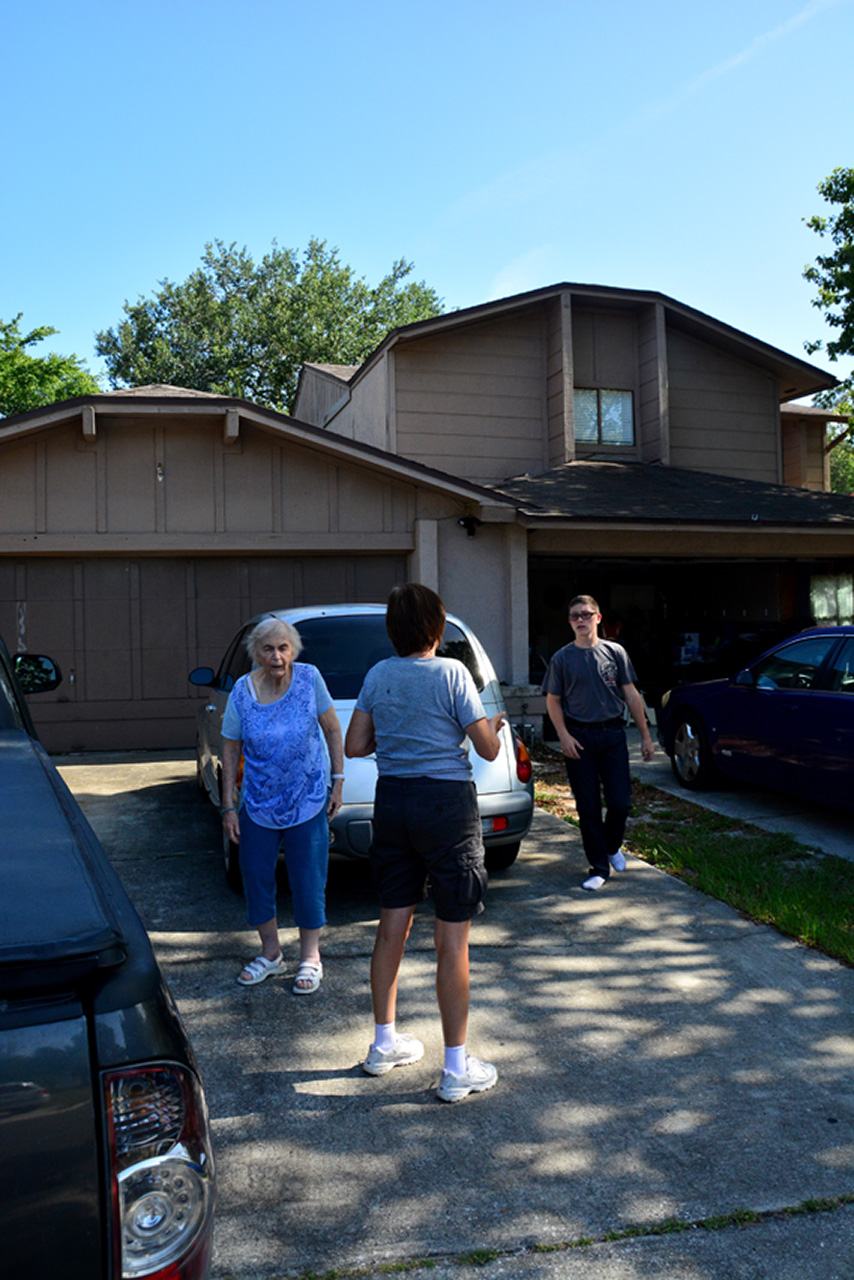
x=662, y=1062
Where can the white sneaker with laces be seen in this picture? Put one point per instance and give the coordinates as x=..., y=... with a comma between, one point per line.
x=406, y=1049
x=478, y=1077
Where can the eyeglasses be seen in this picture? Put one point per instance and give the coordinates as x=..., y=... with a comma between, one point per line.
x=582, y=617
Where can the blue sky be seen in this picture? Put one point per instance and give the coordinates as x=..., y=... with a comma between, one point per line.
x=499, y=146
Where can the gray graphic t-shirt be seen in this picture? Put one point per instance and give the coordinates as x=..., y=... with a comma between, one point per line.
x=588, y=681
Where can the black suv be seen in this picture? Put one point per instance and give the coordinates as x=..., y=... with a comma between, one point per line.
x=106, y=1168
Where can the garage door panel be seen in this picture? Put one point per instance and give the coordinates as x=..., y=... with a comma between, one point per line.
x=130, y=630
x=163, y=615
x=107, y=623
x=106, y=579
x=375, y=576
x=164, y=673
x=324, y=581
x=107, y=675
x=217, y=578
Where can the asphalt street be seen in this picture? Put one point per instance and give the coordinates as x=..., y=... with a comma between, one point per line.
x=663, y=1064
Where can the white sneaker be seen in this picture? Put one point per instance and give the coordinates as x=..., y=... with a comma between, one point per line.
x=406, y=1049
x=477, y=1078
x=594, y=882
x=618, y=860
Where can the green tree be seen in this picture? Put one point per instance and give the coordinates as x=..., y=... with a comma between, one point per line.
x=833, y=276
x=242, y=328
x=28, y=381
x=842, y=467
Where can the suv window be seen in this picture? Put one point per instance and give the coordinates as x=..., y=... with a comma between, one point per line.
x=344, y=648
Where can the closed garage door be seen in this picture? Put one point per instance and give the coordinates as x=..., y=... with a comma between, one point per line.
x=127, y=631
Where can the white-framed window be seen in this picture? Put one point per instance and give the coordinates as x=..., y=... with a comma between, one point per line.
x=604, y=417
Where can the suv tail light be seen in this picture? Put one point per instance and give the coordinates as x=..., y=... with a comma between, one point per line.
x=524, y=767
x=161, y=1172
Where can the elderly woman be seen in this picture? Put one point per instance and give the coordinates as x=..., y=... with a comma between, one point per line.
x=417, y=711
x=275, y=716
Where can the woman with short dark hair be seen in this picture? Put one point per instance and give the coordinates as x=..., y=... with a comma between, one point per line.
x=416, y=711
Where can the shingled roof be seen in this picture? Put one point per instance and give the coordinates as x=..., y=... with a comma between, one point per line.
x=649, y=492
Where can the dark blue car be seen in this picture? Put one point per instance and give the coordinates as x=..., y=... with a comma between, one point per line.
x=786, y=721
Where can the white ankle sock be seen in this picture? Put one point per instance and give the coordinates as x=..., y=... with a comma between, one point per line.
x=384, y=1036
x=455, y=1059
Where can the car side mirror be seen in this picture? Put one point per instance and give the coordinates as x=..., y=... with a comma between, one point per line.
x=36, y=673
x=202, y=676
x=745, y=677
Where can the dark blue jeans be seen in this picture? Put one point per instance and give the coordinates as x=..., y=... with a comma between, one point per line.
x=604, y=764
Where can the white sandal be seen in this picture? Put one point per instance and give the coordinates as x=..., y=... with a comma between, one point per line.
x=259, y=969
x=309, y=971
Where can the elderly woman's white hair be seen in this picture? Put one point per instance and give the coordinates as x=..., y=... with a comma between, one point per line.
x=266, y=627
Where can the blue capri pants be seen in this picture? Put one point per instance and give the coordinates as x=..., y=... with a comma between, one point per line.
x=306, y=850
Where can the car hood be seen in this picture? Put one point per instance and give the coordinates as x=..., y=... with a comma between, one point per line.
x=58, y=921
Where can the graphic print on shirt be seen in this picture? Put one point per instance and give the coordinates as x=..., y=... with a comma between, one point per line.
x=608, y=673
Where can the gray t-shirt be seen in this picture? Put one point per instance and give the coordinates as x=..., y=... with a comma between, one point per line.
x=421, y=708
x=588, y=681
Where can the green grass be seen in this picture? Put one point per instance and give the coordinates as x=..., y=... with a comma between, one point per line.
x=770, y=877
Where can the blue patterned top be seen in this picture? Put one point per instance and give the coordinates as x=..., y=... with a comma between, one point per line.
x=285, y=770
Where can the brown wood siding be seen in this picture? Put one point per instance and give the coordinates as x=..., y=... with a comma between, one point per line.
x=473, y=402
x=605, y=349
x=557, y=384
x=605, y=353
x=804, y=459
x=167, y=477
x=723, y=413
x=651, y=401
x=127, y=631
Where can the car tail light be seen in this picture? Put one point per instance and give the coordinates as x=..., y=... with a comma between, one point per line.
x=161, y=1172
x=524, y=767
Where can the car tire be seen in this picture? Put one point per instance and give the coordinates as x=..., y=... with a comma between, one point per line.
x=200, y=778
x=691, y=755
x=501, y=856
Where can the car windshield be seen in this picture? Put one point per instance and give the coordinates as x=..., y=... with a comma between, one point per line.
x=344, y=648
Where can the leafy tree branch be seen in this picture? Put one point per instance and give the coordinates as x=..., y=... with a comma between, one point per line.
x=28, y=381
x=241, y=328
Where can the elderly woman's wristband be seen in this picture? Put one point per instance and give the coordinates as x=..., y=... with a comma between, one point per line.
x=228, y=809
x=333, y=776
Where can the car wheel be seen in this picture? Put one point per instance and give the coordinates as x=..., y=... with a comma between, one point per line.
x=231, y=863
x=691, y=755
x=200, y=778
x=501, y=856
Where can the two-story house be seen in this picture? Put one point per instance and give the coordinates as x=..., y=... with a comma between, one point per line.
x=510, y=455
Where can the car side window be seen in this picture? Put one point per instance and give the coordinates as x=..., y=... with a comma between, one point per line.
x=842, y=670
x=795, y=665
x=235, y=663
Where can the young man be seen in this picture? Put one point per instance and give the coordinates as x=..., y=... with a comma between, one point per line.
x=587, y=685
